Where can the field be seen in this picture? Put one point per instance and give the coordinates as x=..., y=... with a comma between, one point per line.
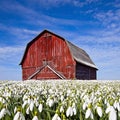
x=60, y=100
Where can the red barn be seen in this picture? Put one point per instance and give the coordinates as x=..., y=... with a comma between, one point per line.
x=50, y=56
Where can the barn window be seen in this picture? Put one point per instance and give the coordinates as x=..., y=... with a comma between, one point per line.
x=47, y=35
x=44, y=62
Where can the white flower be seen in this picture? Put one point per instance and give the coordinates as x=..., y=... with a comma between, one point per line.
x=112, y=113
x=2, y=100
x=108, y=109
x=69, y=111
x=61, y=109
x=25, y=103
x=89, y=114
x=99, y=111
x=84, y=105
x=29, y=100
x=15, y=109
x=40, y=108
x=56, y=117
x=74, y=111
x=36, y=101
x=19, y=116
x=35, y=118
x=68, y=92
x=3, y=112
x=16, y=117
x=28, y=110
x=25, y=97
x=62, y=98
x=51, y=102
x=117, y=105
x=31, y=106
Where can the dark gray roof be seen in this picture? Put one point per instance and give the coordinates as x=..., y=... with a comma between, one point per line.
x=80, y=55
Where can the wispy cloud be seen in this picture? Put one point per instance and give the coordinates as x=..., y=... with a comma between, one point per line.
x=55, y=3
x=10, y=73
x=16, y=7
x=111, y=18
x=10, y=53
x=10, y=57
x=20, y=35
x=16, y=30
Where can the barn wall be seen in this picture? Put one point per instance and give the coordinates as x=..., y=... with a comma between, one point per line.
x=52, y=50
x=85, y=72
x=93, y=73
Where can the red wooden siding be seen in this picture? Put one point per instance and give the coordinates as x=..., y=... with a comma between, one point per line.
x=52, y=50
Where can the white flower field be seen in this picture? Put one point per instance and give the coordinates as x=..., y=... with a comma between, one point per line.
x=59, y=100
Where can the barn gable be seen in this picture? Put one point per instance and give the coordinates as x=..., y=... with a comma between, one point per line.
x=51, y=56
x=43, y=72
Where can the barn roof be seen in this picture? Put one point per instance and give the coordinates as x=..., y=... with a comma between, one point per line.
x=78, y=54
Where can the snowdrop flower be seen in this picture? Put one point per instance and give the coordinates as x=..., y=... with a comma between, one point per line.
x=2, y=100
x=28, y=110
x=62, y=98
x=31, y=105
x=68, y=92
x=35, y=118
x=84, y=105
x=29, y=100
x=99, y=111
x=25, y=97
x=25, y=103
x=51, y=102
x=3, y=112
x=69, y=111
x=112, y=113
x=40, y=108
x=15, y=109
x=61, y=109
x=19, y=116
x=89, y=112
x=117, y=105
x=74, y=109
x=56, y=117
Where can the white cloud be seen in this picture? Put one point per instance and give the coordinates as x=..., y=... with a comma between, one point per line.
x=55, y=3
x=10, y=73
x=10, y=57
x=19, y=33
x=15, y=7
x=10, y=54
x=110, y=18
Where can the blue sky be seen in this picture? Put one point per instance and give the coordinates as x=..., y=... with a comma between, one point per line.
x=93, y=25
